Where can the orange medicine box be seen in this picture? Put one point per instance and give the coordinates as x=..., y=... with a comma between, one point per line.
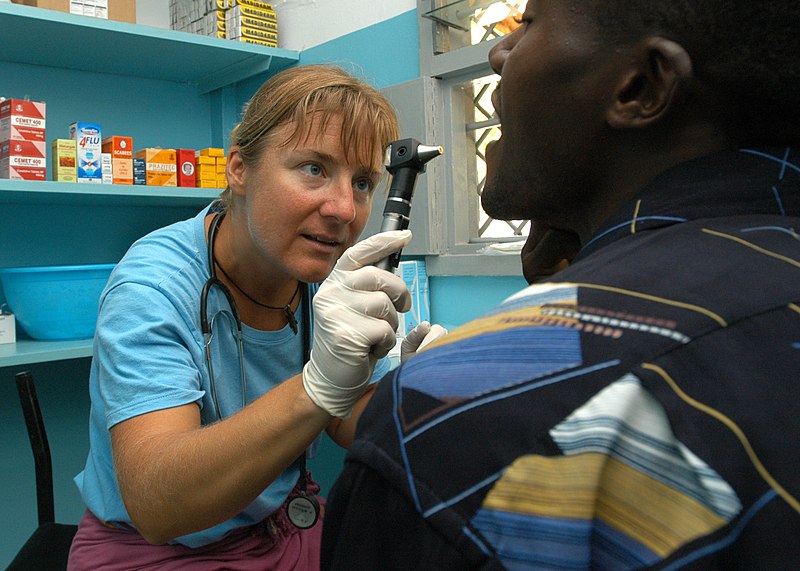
x=121, y=151
x=185, y=159
x=160, y=166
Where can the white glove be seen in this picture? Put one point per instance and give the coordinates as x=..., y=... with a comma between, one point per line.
x=355, y=318
x=421, y=336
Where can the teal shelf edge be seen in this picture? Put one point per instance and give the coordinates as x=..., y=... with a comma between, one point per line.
x=26, y=352
x=38, y=36
x=49, y=192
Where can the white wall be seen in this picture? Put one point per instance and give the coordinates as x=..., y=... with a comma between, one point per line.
x=302, y=24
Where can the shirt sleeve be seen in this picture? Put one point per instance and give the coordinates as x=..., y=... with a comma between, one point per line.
x=146, y=354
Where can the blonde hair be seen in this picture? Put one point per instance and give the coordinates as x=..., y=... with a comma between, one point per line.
x=369, y=122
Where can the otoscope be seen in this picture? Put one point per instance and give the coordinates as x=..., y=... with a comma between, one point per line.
x=405, y=160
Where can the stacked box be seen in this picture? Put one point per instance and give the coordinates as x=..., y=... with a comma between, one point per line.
x=160, y=166
x=22, y=140
x=22, y=120
x=222, y=177
x=64, y=153
x=252, y=22
x=88, y=137
x=186, y=170
x=23, y=160
x=203, y=17
x=210, y=168
x=121, y=151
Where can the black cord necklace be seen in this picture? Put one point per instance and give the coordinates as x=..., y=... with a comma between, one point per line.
x=287, y=309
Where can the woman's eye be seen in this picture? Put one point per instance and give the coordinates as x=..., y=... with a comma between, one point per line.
x=312, y=169
x=363, y=185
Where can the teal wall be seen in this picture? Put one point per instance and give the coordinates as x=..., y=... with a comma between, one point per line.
x=385, y=54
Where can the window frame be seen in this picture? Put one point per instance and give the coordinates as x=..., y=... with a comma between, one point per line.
x=459, y=252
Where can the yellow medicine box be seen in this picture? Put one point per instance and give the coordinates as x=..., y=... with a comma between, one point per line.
x=64, y=156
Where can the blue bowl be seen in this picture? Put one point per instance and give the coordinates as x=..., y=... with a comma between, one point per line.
x=55, y=302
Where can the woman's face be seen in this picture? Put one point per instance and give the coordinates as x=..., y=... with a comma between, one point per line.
x=306, y=202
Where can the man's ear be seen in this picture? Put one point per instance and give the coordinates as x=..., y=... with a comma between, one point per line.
x=235, y=171
x=659, y=72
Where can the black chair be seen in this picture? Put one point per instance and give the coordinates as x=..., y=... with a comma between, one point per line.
x=48, y=546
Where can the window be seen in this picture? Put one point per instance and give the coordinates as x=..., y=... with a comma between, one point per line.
x=455, y=38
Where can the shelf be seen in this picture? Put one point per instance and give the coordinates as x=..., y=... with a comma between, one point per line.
x=49, y=192
x=38, y=36
x=25, y=352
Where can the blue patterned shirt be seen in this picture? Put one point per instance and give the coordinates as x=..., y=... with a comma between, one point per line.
x=639, y=410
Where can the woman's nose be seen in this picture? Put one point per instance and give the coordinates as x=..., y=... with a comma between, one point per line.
x=340, y=203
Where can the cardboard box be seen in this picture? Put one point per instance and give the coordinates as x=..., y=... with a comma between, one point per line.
x=121, y=151
x=88, y=138
x=23, y=120
x=119, y=10
x=64, y=154
x=185, y=160
x=160, y=166
x=23, y=160
x=139, y=171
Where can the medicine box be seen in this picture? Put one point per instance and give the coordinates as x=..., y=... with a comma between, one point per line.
x=185, y=159
x=64, y=156
x=139, y=171
x=415, y=275
x=23, y=160
x=121, y=151
x=88, y=138
x=22, y=120
x=106, y=168
x=160, y=166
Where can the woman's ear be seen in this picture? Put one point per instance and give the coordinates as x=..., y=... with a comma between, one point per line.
x=660, y=71
x=235, y=171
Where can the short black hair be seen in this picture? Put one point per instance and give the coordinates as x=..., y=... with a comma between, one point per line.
x=746, y=51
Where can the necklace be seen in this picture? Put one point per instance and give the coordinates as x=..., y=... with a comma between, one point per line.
x=287, y=309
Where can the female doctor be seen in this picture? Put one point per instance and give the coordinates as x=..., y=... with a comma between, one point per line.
x=208, y=382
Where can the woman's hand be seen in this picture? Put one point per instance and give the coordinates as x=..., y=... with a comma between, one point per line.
x=355, y=318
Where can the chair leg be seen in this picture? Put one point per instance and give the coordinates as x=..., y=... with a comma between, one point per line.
x=41, y=448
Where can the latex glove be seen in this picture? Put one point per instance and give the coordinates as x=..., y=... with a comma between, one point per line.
x=355, y=318
x=422, y=335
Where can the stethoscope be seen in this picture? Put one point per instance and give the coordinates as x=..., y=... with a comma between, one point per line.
x=302, y=510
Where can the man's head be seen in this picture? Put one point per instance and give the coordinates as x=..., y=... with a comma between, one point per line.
x=597, y=97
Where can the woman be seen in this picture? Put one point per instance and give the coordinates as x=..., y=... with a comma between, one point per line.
x=198, y=440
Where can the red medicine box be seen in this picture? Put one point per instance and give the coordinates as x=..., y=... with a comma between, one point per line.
x=185, y=160
x=22, y=120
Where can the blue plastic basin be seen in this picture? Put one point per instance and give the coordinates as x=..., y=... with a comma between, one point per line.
x=55, y=302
